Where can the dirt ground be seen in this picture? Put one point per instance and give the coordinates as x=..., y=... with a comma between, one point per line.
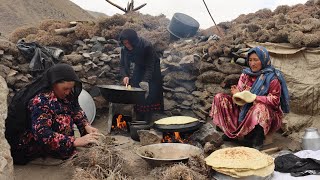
x=137, y=167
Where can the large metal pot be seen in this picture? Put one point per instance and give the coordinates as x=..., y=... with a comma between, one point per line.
x=183, y=26
x=121, y=94
x=311, y=139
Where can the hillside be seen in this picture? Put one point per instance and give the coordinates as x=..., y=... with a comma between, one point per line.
x=17, y=13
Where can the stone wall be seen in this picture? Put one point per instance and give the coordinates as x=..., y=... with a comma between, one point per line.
x=6, y=163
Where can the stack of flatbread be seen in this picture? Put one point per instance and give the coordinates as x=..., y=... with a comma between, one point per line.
x=241, y=162
x=176, y=120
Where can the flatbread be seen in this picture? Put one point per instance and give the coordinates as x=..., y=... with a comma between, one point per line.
x=241, y=98
x=239, y=158
x=263, y=172
x=176, y=120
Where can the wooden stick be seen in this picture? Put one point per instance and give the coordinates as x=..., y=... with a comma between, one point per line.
x=64, y=31
x=274, y=149
x=212, y=18
x=139, y=7
x=117, y=6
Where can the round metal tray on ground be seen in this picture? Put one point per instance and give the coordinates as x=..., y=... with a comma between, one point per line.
x=167, y=153
x=87, y=104
x=178, y=127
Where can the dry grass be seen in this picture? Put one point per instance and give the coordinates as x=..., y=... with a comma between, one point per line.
x=182, y=172
x=22, y=32
x=195, y=169
x=99, y=162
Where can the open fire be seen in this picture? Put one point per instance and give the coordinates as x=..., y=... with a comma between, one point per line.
x=176, y=137
x=119, y=123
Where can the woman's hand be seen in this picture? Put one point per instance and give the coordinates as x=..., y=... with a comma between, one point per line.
x=126, y=80
x=234, y=89
x=91, y=138
x=89, y=129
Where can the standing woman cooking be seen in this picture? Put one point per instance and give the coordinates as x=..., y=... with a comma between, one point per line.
x=146, y=73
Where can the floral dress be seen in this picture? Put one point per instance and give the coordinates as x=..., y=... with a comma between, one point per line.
x=52, y=131
x=265, y=111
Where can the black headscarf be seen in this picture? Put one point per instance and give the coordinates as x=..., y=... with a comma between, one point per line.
x=19, y=120
x=130, y=35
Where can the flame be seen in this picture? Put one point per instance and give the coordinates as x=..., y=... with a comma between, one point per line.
x=121, y=124
x=175, y=137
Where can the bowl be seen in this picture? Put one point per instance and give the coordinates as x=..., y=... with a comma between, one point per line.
x=87, y=105
x=167, y=153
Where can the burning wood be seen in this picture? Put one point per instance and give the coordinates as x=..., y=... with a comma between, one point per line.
x=175, y=137
x=120, y=123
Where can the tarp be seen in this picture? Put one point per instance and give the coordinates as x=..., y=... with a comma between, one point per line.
x=301, y=68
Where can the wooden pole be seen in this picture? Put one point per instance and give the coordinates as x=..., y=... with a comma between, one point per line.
x=211, y=17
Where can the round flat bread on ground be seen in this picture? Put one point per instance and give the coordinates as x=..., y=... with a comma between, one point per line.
x=263, y=172
x=238, y=158
x=176, y=120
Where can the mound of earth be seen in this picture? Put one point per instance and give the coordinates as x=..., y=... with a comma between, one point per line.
x=17, y=13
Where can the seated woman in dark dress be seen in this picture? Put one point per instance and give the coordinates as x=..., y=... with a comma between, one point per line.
x=41, y=117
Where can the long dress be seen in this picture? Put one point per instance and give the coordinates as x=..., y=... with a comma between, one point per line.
x=52, y=131
x=146, y=68
x=265, y=111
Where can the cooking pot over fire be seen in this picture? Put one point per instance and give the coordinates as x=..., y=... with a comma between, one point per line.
x=122, y=94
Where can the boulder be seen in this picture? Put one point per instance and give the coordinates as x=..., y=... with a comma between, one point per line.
x=6, y=162
x=227, y=67
x=148, y=137
x=212, y=77
x=230, y=80
x=180, y=76
x=75, y=58
x=205, y=66
x=207, y=133
x=169, y=104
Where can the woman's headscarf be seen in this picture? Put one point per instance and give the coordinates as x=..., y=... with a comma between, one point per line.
x=19, y=120
x=261, y=86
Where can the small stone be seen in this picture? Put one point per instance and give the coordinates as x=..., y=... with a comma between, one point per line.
x=96, y=60
x=94, y=39
x=8, y=57
x=12, y=73
x=77, y=68
x=148, y=137
x=187, y=103
x=117, y=50
x=92, y=79
x=79, y=42
x=1, y=53
x=95, y=54
x=101, y=39
x=169, y=104
x=208, y=148
x=88, y=63
x=112, y=41
x=105, y=58
x=74, y=58
x=166, y=53
x=241, y=61
x=100, y=64
x=86, y=55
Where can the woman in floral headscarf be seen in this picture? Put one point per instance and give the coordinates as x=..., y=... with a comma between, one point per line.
x=253, y=120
